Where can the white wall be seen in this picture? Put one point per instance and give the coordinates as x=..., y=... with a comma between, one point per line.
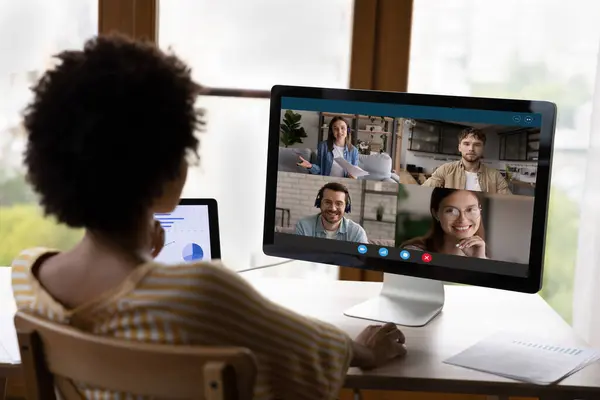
x=509, y=227
x=418, y=200
x=297, y=193
x=232, y=170
x=310, y=123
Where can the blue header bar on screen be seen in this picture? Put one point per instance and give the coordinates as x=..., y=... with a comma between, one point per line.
x=416, y=112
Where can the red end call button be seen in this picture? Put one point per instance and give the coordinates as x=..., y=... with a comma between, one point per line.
x=426, y=257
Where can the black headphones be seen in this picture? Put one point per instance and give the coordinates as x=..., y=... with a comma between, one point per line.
x=338, y=187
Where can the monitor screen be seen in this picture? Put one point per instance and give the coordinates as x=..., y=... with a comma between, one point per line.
x=187, y=234
x=400, y=187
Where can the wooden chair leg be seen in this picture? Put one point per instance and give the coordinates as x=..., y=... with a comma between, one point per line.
x=3, y=386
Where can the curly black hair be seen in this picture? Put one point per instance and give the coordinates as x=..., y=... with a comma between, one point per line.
x=107, y=129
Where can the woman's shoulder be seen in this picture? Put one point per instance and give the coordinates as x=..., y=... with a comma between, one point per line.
x=32, y=253
x=23, y=282
x=26, y=258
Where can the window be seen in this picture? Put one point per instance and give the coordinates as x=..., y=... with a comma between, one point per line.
x=537, y=49
x=252, y=45
x=31, y=31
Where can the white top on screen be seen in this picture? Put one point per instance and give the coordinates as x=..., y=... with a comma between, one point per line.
x=472, y=182
x=336, y=168
x=187, y=235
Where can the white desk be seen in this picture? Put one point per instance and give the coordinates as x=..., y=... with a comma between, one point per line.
x=470, y=314
x=7, y=330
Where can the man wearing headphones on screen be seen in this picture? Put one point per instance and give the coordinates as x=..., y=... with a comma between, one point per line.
x=334, y=202
x=469, y=172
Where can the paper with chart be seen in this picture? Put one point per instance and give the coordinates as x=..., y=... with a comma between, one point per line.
x=187, y=235
x=353, y=170
x=525, y=358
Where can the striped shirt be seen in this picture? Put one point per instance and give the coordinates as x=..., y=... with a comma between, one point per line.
x=202, y=304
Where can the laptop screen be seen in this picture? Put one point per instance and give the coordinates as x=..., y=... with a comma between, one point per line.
x=187, y=235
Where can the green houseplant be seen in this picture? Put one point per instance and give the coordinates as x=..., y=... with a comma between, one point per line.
x=373, y=118
x=508, y=174
x=384, y=138
x=291, y=130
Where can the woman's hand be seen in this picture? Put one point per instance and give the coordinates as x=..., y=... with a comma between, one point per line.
x=473, y=247
x=157, y=238
x=351, y=176
x=303, y=163
x=378, y=344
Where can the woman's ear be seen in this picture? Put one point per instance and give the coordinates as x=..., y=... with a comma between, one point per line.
x=434, y=214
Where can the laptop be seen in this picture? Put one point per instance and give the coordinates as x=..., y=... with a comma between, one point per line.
x=191, y=232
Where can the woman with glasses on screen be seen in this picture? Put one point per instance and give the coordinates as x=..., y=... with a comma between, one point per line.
x=457, y=227
x=110, y=133
x=337, y=145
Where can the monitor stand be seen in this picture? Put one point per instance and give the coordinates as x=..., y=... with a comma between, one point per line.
x=403, y=300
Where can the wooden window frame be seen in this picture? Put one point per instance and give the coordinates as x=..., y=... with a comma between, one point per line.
x=134, y=18
x=380, y=54
x=380, y=61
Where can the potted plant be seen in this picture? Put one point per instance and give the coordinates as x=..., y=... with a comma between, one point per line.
x=509, y=177
x=363, y=147
x=379, y=210
x=372, y=119
x=508, y=173
x=384, y=138
x=291, y=130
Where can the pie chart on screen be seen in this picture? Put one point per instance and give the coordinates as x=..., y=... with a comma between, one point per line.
x=192, y=252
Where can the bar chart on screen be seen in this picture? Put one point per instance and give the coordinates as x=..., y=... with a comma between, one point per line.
x=187, y=236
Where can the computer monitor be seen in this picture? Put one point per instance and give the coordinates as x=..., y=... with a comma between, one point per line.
x=191, y=232
x=424, y=188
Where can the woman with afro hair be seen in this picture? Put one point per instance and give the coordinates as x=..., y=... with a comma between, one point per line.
x=111, y=133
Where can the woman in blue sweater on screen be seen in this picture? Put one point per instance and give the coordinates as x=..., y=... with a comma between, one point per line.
x=336, y=145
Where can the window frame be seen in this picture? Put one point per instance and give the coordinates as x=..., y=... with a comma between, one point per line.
x=381, y=35
x=134, y=18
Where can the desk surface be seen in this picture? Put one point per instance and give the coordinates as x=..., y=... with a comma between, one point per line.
x=470, y=314
x=8, y=343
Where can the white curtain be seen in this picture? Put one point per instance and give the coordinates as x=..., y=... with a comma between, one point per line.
x=586, y=291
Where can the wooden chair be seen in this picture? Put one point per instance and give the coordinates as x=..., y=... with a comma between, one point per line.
x=54, y=355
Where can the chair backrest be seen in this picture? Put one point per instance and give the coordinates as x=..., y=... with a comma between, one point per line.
x=51, y=352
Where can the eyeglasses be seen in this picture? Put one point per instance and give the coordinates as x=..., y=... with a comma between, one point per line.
x=472, y=213
x=329, y=203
